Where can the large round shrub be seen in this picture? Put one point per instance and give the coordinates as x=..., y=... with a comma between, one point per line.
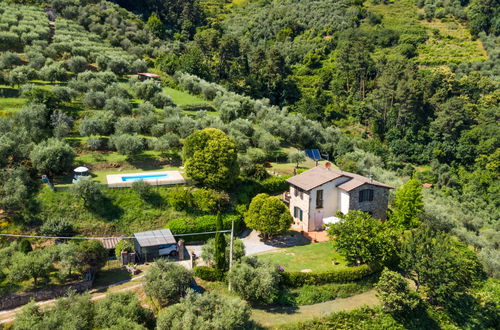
x=211, y=159
x=268, y=215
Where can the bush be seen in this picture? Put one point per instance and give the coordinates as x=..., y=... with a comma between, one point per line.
x=77, y=64
x=208, y=273
x=161, y=100
x=142, y=188
x=57, y=227
x=95, y=143
x=209, y=200
x=275, y=185
x=123, y=245
x=202, y=224
x=296, y=279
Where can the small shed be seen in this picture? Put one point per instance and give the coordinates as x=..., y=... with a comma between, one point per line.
x=153, y=244
x=147, y=75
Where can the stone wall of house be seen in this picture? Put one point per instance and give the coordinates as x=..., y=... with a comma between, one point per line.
x=377, y=207
x=45, y=294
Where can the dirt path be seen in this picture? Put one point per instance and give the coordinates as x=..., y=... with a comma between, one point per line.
x=280, y=315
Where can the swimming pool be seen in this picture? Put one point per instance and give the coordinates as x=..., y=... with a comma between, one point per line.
x=144, y=177
x=154, y=178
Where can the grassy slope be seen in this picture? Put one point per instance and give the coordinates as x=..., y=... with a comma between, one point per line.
x=122, y=211
x=452, y=45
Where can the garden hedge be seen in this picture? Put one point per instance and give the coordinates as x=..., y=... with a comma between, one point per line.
x=275, y=185
x=297, y=279
x=202, y=224
x=208, y=273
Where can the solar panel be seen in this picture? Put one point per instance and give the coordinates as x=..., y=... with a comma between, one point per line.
x=313, y=154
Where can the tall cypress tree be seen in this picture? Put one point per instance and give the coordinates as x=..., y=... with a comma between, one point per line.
x=220, y=246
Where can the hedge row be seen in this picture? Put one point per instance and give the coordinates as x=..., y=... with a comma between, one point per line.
x=203, y=224
x=274, y=185
x=297, y=279
x=209, y=273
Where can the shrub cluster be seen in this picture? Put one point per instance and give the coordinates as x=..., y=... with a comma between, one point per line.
x=209, y=273
x=296, y=279
x=202, y=224
x=275, y=185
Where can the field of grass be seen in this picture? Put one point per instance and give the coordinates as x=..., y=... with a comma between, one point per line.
x=183, y=98
x=316, y=257
x=10, y=104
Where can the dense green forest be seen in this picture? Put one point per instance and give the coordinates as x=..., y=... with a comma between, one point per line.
x=396, y=89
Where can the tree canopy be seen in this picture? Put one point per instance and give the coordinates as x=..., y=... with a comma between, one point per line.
x=268, y=215
x=210, y=158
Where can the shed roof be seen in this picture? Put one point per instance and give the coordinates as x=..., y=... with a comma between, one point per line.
x=148, y=74
x=110, y=243
x=155, y=237
x=320, y=175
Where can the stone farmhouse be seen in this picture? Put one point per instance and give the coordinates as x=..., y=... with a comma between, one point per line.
x=316, y=195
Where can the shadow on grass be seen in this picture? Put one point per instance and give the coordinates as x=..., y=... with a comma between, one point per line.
x=9, y=92
x=106, y=210
x=154, y=199
x=286, y=310
x=111, y=276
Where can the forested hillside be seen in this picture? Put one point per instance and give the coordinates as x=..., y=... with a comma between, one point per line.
x=393, y=89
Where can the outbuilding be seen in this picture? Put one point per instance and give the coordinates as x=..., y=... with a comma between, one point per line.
x=150, y=245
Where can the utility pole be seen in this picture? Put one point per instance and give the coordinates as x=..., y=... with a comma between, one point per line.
x=231, y=253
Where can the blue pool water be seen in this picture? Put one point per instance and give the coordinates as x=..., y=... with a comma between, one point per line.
x=144, y=177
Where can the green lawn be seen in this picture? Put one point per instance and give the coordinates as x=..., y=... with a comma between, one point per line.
x=316, y=257
x=184, y=98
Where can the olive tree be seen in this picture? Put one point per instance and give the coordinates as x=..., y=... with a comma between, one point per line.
x=255, y=281
x=87, y=190
x=208, y=250
x=167, y=282
x=205, y=311
x=125, y=144
x=52, y=156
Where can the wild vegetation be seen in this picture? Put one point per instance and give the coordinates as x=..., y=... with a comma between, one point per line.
x=405, y=91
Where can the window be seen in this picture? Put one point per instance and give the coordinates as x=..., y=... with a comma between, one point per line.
x=319, y=199
x=366, y=195
x=297, y=213
x=296, y=190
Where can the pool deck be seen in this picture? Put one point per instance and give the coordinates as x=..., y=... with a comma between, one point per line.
x=173, y=177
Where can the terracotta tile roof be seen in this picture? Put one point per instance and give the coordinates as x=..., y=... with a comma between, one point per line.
x=320, y=175
x=313, y=178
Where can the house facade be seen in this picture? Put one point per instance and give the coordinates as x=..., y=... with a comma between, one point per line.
x=317, y=194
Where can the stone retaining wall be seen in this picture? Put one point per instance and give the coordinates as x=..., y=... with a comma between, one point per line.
x=45, y=294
